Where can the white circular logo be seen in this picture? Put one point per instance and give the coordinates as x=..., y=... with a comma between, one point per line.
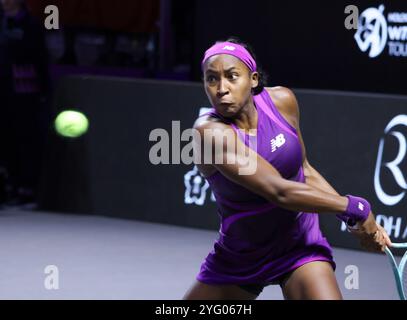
x=372, y=31
x=393, y=166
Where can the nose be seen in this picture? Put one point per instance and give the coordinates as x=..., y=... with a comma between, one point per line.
x=222, y=89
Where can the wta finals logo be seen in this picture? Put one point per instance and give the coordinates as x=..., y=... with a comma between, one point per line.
x=372, y=31
x=375, y=31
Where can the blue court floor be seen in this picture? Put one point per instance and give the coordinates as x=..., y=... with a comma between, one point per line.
x=92, y=257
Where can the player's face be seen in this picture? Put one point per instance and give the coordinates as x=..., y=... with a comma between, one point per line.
x=228, y=83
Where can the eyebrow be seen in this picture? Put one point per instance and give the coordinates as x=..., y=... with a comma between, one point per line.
x=215, y=71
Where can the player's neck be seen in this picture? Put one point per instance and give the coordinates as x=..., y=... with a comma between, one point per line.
x=247, y=119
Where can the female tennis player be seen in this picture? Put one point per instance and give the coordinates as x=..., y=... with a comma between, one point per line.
x=269, y=230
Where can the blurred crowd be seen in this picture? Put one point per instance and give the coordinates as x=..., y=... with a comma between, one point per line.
x=25, y=86
x=95, y=37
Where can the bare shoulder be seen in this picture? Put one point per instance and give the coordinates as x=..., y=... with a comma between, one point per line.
x=201, y=125
x=286, y=102
x=209, y=128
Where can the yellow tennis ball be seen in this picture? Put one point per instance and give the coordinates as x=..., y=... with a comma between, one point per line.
x=71, y=124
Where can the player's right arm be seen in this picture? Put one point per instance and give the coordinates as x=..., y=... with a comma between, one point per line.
x=263, y=179
x=246, y=167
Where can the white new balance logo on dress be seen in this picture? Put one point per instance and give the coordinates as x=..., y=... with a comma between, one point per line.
x=277, y=142
x=361, y=206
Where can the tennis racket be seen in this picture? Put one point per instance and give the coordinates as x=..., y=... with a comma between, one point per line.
x=400, y=271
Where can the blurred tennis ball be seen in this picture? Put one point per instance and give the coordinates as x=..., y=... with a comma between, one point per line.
x=71, y=124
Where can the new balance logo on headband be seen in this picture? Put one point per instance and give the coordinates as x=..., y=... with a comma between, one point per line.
x=230, y=48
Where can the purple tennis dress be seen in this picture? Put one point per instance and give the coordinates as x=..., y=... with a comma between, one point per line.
x=258, y=241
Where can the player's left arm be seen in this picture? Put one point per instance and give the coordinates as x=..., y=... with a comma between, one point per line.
x=287, y=103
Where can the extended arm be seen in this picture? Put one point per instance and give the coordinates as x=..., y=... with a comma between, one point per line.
x=262, y=178
x=367, y=230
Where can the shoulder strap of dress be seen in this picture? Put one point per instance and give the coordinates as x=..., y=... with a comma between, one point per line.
x=263, y=101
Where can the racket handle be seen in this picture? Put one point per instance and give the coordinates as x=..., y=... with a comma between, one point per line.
x=399, y=245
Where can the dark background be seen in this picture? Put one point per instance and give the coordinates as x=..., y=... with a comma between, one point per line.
x=302, y=44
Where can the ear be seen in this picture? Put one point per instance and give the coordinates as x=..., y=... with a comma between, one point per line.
x=254, y=79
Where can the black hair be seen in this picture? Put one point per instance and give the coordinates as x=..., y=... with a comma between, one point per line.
x=263, y=77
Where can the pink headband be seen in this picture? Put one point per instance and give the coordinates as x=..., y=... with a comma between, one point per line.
x=232, y=49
